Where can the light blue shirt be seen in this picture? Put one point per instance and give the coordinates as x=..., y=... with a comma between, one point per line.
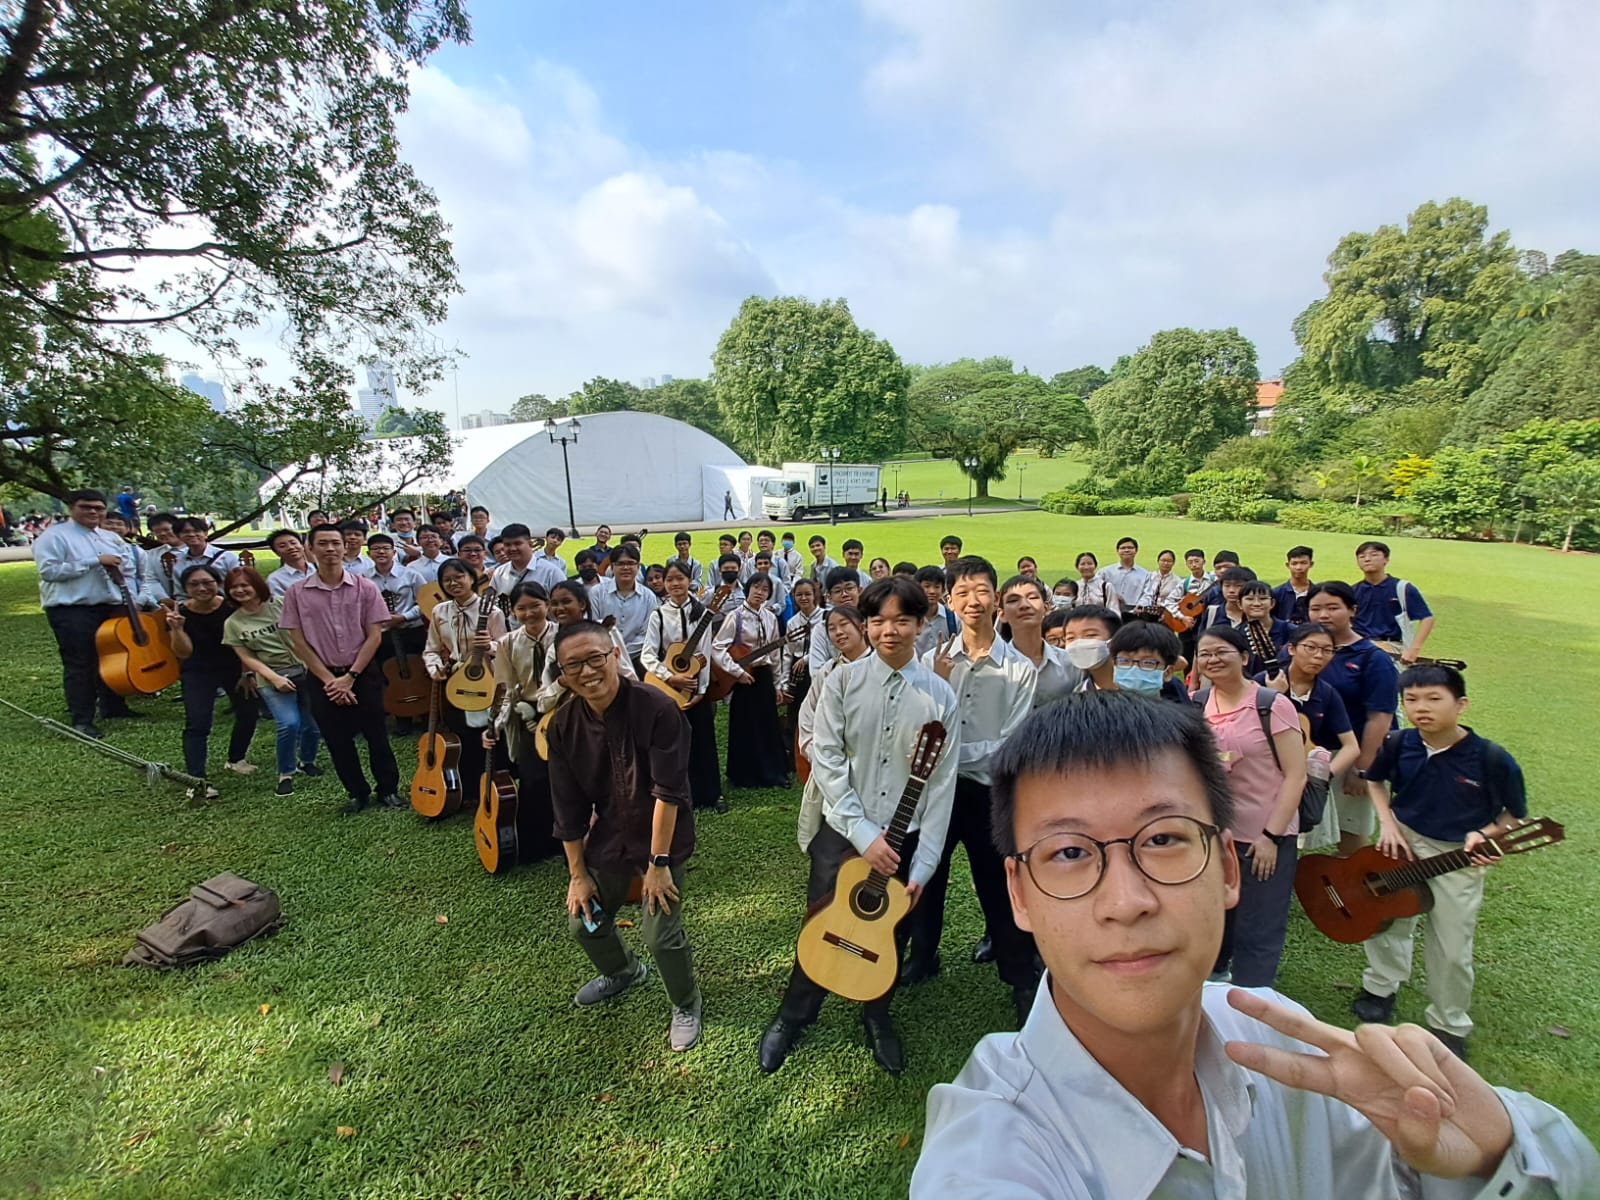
x=1033, y=1115
x=632, y=610
x=285, y=577
x=403, y=582
x=222, y=560
x=547, y=569
x=67, y=557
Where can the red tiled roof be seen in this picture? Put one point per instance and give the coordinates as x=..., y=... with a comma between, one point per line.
x=1268, y=393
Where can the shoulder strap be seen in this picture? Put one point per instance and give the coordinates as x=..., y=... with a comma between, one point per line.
x=1265, y=698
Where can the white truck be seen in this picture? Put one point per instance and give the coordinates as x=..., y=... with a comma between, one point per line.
x=848, y=489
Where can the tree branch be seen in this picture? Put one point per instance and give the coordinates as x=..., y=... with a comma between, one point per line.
x=25, y=42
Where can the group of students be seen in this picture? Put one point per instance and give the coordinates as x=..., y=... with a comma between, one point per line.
x=1117, y=712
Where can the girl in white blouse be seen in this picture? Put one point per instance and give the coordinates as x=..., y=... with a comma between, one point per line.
x=758, y=756
x=452, y=636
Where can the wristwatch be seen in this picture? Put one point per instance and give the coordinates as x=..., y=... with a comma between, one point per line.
x=660, y=860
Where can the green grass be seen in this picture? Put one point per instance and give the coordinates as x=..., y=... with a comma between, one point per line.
x=467, y=1072
x=927, y=478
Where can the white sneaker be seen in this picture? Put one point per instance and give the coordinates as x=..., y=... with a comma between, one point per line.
x=242, y=768
x=685, y=1029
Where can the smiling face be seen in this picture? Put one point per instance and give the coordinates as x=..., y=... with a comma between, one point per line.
x=1257, y=606
x=354, y=539
x=564, y=607
x=530, y=611
x=847, y=637
x=1023, y=607
x=289, y=550
x=1130, y=957
x=1087, y=566
x=893, y=632
x=588, y=665
x=457, y=584
x=242, y=594
x=382, y=556
x=199, y=585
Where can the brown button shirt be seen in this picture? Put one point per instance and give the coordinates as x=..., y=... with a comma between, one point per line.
x=612, y=768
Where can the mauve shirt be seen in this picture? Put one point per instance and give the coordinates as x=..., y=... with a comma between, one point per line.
x=334, y=619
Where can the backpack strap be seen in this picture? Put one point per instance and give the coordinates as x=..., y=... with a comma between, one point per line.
x=1264, y=701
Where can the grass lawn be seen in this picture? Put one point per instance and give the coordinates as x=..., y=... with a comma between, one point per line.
x=465, y=1069
x=927, y=478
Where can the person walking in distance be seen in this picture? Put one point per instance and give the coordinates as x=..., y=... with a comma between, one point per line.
x=727, y=506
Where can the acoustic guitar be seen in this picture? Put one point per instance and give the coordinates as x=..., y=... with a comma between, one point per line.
x=722, y=682
x=405, y=683
x=681, y=657
x=1191, y=605
x=1350, y=899
x=494, y=825
x=436, y=785
x=429, y=597
x=847, y=944
x=470, y=686
x=135, y=650
x=1261, y=645
x=1394, y=650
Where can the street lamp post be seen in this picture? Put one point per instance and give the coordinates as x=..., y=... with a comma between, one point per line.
x=971, y=464
x=565, y=432
x=1021, y=467
x=897, y=486
x=831, y=453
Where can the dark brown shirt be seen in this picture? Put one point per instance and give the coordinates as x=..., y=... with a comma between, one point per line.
x=613, y=768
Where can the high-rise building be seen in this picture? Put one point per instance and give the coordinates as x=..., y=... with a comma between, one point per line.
x=379, y=393
x=666, y=379
x=209, y=388
x=648, y=382
x=485, y=419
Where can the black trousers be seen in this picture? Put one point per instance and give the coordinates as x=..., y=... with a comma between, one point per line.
x=199, y=710
x=74, y=627
x=341, y=724
x=705, y=772
x=536, y=820
x=473, y=754
x=1014, y=950
x=829, y=849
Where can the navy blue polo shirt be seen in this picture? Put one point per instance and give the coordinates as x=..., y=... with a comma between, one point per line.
x=1366, y=680
x=1447, y=795
x=1286, y=606
x=1323, y=711
x=1378, y=609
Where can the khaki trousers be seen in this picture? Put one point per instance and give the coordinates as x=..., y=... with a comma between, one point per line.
x=1447, y=947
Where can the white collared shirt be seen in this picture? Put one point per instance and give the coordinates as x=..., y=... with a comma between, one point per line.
x=547, y=569
x=1033, y=1116
x=360, y=566
x=1055, y=675
x=402, y=582
x=505, y=577
x=222, y=560
x=427, y=569
x=285, y=577
x=805, y=632
x=668, y=624
x=753, y=628
x=1131, y=585
x=995, y=695
x=866, y=726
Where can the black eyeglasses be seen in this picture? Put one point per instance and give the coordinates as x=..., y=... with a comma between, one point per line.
x=594, y=662
x=1167, y=850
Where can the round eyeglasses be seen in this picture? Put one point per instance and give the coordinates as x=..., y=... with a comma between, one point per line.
x=1167, y=850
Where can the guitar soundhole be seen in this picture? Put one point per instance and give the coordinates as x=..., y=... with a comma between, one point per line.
x=866, y=902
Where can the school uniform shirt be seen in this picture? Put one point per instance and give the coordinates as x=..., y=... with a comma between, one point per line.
x=867, y=721
x=452, y=629
x=519, y=661
x=631, y=609
x=936, y=629
x=1033, y=1116
x=799, y=645
x=403, y=583
x=164, y=569
x=753, y=628
x=505, y=577
x=793, y=564
x=1323, y=711
x=547, y=569
x=1366, y=680
x=1445, y=795
x=1217, y=614
x=818, y=571
x=1290, y=605
x=222, y=560
x=671, y=623
x=427, y=569
x=1164, y=592
x=285, y=577
x=1054, y=676
x=696, y=574
x=994, y=694
x=734, y=600
x=1378, y=609
x=67, y=557
x=1098, y=591
x=359, y=565
x=1277, y=633
x=1131, y=585
x=1204, y=584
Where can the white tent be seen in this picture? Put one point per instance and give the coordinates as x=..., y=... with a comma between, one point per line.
x=627, y=468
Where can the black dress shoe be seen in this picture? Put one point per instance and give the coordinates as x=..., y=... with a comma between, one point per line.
x=88, y=730
x=776, y=1043
x=721, y=806
x=392, y=800
x=918, y=971
x=357, y=804
x=983, y=950
x=884, y=1043
x=1373, y=1010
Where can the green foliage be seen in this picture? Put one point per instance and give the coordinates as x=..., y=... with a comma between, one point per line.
x=537, y=407
x=692, y=401
x=1081, y=382
x=1569, y=495
x=1276, y=459
x=394, y=422
x=1225, y=495
x=1405, y=473
x=601, y=395
x=1461, y=496
x=792, y=377
x=1139, y=506
x=1071, y=504
x=1335, y=518
x=1174, y=401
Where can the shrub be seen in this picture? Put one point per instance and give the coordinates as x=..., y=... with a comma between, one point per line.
x=1071, y=504
x=1225, y=495
x=1260, y=510
x=1331, y=517
x=1181, y=502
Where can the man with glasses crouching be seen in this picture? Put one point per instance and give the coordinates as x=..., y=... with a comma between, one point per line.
x=1135, y=1078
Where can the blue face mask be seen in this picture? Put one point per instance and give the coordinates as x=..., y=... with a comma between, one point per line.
x=1140, y=679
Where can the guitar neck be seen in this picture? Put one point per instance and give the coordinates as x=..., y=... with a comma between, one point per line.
x=895, y=835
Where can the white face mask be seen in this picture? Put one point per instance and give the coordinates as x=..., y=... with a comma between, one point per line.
x=1088, y=653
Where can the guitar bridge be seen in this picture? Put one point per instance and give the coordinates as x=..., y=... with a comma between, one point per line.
x=849, y=947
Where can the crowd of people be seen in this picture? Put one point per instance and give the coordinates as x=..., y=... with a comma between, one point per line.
x=1208, y=722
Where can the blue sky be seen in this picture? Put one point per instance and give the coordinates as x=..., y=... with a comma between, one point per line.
x=1049, y=181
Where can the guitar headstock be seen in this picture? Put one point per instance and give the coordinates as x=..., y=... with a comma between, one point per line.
x=1530, y=835
x=925, y=754
x=247, y=559
x=720, y=596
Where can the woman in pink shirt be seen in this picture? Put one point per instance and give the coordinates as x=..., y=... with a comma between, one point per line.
x=1266, y=778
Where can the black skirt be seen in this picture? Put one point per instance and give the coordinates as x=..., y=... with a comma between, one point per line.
x=535, y=819
x=705, y=773
x=758, y=756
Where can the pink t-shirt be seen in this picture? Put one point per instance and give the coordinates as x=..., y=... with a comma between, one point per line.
x=1253, y=774
x=334, y=620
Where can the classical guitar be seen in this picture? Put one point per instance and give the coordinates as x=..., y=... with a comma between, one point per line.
x=1191, y=605
x=1261, y=645
x=681, y=657
x=494, y=825
x=1394, y=650
x=247, y=560
x=405, y=683
x=1350, y=899
x=136, y=656
x=847, y=943
x=436, y=785
x=429, y=597
x=470, y=686
x=722, y=682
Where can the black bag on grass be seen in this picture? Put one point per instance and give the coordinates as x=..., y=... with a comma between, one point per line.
x=223, y=912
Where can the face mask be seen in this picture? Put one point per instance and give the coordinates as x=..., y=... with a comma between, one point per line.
x=788, y=544
x=1059, y=602
x=1088, y=653
x=733, y=578
x=588, y=574
x=1141, y=679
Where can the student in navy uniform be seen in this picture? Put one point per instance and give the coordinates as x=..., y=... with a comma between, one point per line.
x=1308, y=652
x=1225, y=610
x=1255, y=602
x=1366, y=680
x=1438, y=787
x=1220, y=562
x=1382, y=614
x=1289, y=599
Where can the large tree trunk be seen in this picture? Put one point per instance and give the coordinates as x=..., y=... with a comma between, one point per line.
x=982, y=489
x=1566, y=545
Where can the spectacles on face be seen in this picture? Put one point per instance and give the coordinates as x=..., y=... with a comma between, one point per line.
x=594, y=662
x=1168, y=851
x=1215, y=655
x=1144, y=664
x=1314, y=649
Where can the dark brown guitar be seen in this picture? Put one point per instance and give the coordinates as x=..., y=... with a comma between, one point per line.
x=1350, y=899
x=722, y=682
x=436, y=785
x=405, y=683
x=494, y=826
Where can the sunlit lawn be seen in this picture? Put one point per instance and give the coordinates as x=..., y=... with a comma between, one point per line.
x=466, y=1070
x=934, y=480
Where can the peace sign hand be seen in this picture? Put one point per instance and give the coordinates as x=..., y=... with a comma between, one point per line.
x=1438, y=1113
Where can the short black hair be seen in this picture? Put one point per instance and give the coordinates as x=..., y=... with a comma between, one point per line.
x=311, y=534
x=85, y=494
x=727, y=537
x=469, y=539
x=158, y=518
x=1381, y=547
x=913, y=600
x=380, y=539
x=949, y=539
x=1192, y=553
x=681, y=567
x=626, y=552
x=852, y=544
x=579, y=629
x=760, y=577
x=838, y=575
x=1147, y=635
x=573, y=588
x=1228, y=556
x=187, y=523
x=402, y=512
x=1101, y=729
x=1333, y=587
x=200, y=568
x=632, y=539
x=930, y=575
x=724, y=559
x=353, y=525
x=1229, y=634
x=555, y=531
x=464, y=567
x=516, y=530
x=1027, y=558
x=1252, y=587
x=1236, y=574
x=1433, y=675
x=276, y=534
x=815, y=538
x=908, y=569
x=1299, y=552
x=766, y=533
x=971, y=566
x=583, y=557
x=1109, y=617
x=1299, y=633
x=1032, y=581
x=478, y=508
x=681, y=537
x=532, y=588
x=1056, y=618
x=1127, y=541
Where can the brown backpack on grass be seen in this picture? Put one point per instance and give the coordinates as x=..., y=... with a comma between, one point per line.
x=223, y=912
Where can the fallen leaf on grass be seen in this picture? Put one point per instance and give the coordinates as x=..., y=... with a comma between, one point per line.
x=1560, y=1031
x=265, y=1009
x=604, y=1097
x=377, y=1019
x=345, y=1131
x=441, y=919
x=139, y=1137
x=389, y=852
x=1341, y=986
x=336, y=1074
x=901, y=1142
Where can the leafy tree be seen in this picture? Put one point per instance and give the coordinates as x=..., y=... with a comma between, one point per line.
x=1053, y=420
x=1405, y=473
x=537, y=407
x=1569, y=494
x=601, y=395
x=1274, y=457
x=1364, y=473
x=692, y=401
x=792, y=376
x=1461, y=496
x=394, y=421
x=1081, y=382
x=1176, y=400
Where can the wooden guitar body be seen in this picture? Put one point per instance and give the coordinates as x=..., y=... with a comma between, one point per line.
x=436, y=785
x=541, y=734
x=1191, y=605
x=494, y=827
x=470, y=687
x=429, y=597
x=405, y=687
x=847, y=946
x=1341, y=900
x=136, y=656
x=680, y=698
x=1175, y=622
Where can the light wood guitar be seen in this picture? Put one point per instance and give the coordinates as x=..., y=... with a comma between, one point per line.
x=494, y=826
x=429, y=597
x=1350, y=899
x=681, y=657
x=134, y=648
x=847, y=944
x=1394, y=650
x=436, y=784
x=470, y=687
